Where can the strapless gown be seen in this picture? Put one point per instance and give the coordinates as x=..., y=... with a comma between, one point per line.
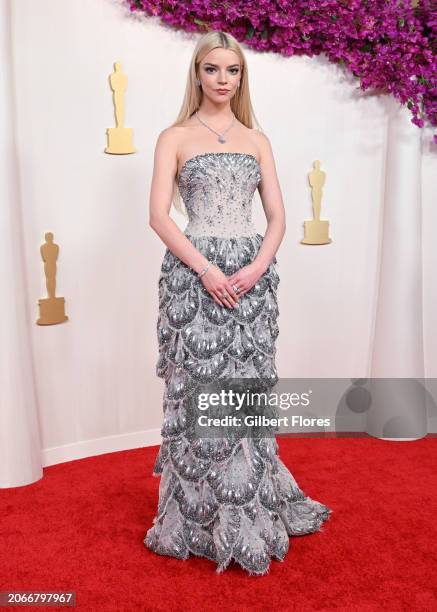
x=222, y=499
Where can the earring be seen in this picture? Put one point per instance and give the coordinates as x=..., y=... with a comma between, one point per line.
x=198, y=82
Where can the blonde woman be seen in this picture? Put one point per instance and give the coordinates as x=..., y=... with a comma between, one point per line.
x=229, y=497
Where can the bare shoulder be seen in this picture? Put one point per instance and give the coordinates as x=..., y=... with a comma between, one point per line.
x=167, y=145
x=174, y=137
x=262, y=143
x=169, y=135
x=261, y=139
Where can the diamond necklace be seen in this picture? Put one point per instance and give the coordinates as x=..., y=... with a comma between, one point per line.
x=221, y=137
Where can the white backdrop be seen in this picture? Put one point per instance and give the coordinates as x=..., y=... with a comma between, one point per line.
x=361, y=306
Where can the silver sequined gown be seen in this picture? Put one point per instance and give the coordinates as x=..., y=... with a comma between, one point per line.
x=217, y=499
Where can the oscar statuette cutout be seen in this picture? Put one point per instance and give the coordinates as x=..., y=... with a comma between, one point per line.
x=119, y=138
x=316, y=231
x=52, y=308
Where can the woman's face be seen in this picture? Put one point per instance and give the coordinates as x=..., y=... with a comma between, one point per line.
x=220, y=69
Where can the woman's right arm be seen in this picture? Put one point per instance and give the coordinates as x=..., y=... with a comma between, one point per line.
x=161, y=194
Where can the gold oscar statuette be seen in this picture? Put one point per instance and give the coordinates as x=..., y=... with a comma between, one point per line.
x=119, y=138
x=316, y=231
x=52, y=308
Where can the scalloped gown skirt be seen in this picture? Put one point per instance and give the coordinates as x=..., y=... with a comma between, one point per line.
x=225, y=500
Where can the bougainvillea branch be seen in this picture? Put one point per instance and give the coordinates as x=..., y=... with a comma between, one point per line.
x=389, y=45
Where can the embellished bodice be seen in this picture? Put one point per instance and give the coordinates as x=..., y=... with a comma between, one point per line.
x=217, y=190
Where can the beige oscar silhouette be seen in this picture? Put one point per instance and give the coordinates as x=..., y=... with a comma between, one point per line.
x=120, y=137
x=316, y=231
x=52, y=308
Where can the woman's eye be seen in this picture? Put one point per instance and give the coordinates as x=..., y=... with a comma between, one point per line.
x=233, y=70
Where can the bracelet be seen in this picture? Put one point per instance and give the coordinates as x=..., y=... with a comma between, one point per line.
x=205, y=269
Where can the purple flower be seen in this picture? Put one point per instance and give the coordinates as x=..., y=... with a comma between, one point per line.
x=388, y=45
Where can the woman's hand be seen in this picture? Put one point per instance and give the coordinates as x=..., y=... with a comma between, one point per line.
x=246, y=277
x=217, y=284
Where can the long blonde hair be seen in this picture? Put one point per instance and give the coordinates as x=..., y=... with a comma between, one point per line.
x=240, y=103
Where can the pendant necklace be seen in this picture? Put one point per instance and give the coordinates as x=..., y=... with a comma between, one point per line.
x=221, y=137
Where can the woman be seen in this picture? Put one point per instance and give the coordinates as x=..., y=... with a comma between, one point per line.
x=221, y=498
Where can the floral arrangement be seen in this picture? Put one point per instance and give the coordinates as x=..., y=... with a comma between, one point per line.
x=389, y=45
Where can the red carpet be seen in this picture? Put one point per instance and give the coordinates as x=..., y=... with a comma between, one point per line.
x=82, y=526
